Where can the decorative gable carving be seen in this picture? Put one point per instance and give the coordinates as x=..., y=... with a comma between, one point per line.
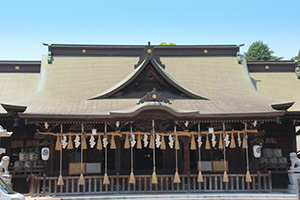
x=154, y=96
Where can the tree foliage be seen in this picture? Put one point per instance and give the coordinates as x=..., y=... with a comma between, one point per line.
x=164, y=43
x=260, y=51
x=297, y=58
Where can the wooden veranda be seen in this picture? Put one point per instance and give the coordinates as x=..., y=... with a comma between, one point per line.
x=119, y=184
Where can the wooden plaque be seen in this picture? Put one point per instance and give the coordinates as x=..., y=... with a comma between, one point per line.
x=75, y=168
x=218, y=166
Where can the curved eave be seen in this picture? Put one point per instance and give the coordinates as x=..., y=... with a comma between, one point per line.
x=113, y=115
x=282, y=106
x=137, y=72
x=154, y=106
x=13, y=108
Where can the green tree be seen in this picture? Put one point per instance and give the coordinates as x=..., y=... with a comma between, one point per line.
x=260, y=51
x=297, y=58
x=164, y=43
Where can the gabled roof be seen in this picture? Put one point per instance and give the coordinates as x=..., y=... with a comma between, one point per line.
x=277, y=79
x=214, y=77
x=18, y=80
x=150, y=60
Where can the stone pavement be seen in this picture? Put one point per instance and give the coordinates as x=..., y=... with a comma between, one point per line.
x=206, y=196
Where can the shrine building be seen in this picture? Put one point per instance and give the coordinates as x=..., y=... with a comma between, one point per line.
x=112, y=119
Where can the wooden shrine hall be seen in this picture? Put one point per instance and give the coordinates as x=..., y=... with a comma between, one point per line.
x=96, y=119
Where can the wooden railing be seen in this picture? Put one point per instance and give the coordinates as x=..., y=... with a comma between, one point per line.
x=41, y=186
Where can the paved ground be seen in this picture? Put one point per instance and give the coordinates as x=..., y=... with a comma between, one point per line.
x=206, y=196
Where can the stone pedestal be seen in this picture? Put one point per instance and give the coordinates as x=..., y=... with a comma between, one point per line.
x=6, y=178
x=293, y=176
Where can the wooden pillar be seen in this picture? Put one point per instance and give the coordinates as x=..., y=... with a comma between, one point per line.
x=51, y=162
x=118, y=155
x=186, y=155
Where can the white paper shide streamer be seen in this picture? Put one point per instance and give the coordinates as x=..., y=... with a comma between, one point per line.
x=199, y=140
x=239, y=140
x=105, y=142
x=64, y=142
x=92, y=141
x=77, y=141
x=145, y=140
x=171, y=142
x=226, y=140
x=157, y=141
x=133, y=141
x=213, y=140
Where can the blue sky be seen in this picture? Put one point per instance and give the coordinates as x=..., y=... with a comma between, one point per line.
x=25, y=25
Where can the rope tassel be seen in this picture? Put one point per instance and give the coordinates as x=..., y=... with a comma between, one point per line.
x=163, y=143
x=81, y=180
x=99, y=143
x=176, y=177
x=70, y=143
x=220, y=142
x=225, y=177
x=207, y=145
x=126, y=144
x=84, y=146
x=232, y=143
x=245, y=145
x=60, y=180
x=139, y=142
x=193, y=143
x=58, y=144
x=200, y=177
x=132, y=178
x=113, y=143
x=248, y=177
x=154, y=177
